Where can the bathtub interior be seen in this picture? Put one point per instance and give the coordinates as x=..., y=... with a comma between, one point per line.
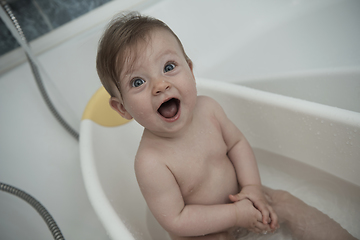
x=278, y=129
x=281, y=28
x=338, y=88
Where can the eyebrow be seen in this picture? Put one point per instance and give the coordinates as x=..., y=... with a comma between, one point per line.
x=167, y=52
x=129, y=71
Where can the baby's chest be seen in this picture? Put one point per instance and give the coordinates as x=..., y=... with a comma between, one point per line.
x=202, y=165
x=204, y=149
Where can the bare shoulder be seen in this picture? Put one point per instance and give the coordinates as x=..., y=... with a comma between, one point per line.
x=202, y=99
x=208, y=103
x=147, y=165
x=146, y=155
x=149, y=156
x=155, y=179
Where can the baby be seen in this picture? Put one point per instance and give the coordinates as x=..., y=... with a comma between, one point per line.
x=196, y=170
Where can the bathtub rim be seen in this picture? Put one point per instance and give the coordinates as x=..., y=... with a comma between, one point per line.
x=314, y=79
x=112, y=223
x=303, y=106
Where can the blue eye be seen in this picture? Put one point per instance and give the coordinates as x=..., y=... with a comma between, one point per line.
x=169, y=67
x=137, y=82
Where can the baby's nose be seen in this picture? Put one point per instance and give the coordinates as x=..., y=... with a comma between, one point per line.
x=161, y=86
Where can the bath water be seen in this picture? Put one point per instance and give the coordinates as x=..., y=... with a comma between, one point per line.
x=337, y=198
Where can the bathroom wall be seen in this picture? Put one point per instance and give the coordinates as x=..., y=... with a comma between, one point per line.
x=38, y=17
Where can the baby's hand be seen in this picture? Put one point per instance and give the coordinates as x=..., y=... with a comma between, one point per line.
x=249, y=217
x=255, y=194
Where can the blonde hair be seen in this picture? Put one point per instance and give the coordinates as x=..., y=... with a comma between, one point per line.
x=123, y=33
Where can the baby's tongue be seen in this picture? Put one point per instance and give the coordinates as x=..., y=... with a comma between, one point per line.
x=168, y=109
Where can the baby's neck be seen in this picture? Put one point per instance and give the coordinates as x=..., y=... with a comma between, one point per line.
x=178, y=135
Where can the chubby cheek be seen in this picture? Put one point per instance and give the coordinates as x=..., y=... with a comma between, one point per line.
x=140, y=111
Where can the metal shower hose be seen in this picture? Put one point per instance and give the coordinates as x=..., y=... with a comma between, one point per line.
x=37, y=76
x=50, y=222
x=15, y=191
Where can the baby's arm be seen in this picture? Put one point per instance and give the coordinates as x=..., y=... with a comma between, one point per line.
x=243, y=159
x=165, y=201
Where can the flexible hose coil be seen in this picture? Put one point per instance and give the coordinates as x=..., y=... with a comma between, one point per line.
x=50, y=222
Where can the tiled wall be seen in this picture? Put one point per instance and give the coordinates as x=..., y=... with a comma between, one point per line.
x=37, y=17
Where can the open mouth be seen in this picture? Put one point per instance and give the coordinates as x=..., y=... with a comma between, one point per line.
x=170, y=108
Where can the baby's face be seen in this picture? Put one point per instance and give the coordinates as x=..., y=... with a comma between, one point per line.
x=158, y=88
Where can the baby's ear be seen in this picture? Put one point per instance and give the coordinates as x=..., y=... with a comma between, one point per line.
x=117, y=105
x=190, y=63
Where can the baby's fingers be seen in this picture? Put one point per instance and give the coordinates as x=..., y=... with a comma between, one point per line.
x=259, y=225
x=265, y=211
x=265, y=216
x=237, y=197
x=274, y=219
x=261, y=228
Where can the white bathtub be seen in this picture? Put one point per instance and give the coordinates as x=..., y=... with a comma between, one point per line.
x=305, y=129
x=286, y=133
